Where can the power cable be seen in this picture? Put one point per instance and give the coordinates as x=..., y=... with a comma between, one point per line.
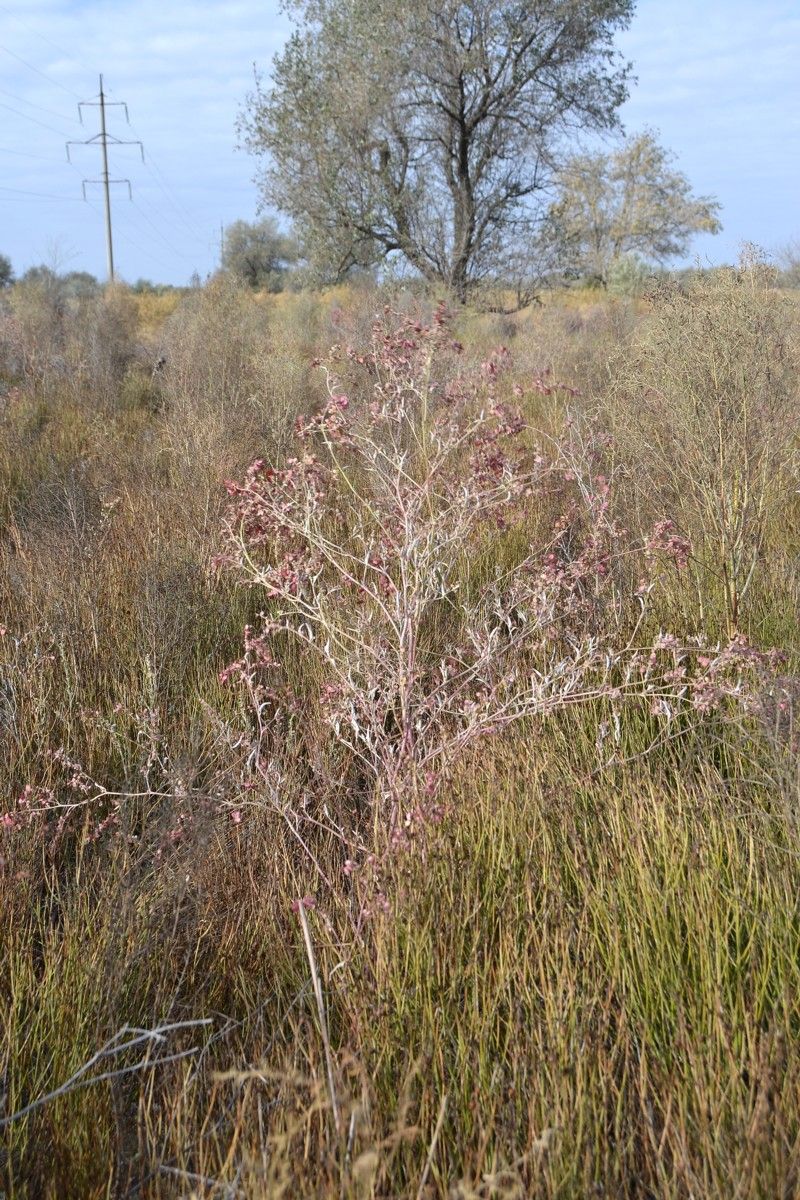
x=183, y=213
x=170, y=246
x=163, y=184
x=183, y=219
x=53, y=45
x=39, y=107
x=35, y=120
x=44, y=75
x=172, y=225
x=41, y=195
x=25, y=154
x=122, y=233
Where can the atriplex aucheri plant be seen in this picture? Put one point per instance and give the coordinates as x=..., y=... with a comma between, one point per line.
x=366, y=547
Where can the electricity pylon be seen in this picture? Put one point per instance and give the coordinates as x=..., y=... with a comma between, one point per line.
x=104, y=139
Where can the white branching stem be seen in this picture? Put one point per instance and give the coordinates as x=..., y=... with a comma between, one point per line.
x=362, y=545
x=127, y=1038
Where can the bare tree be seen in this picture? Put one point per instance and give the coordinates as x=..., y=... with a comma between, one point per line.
x=429, y=129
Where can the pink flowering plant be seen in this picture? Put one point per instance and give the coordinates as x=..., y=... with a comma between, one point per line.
x=366, y=547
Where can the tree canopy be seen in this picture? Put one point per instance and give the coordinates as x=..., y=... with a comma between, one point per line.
x=429, y=129
x=6, y=272
x=628, y=201
x=789, y=263
x=258, y=254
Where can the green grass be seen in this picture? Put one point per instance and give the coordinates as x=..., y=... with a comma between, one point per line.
x=603, y=980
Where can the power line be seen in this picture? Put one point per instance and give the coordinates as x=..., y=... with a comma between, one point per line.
x=170, y=246
x=42, y=195
x=179, y=207
x=120, y=232
x=103, y=139
x=164, y=186
x=35, y=120
x=183, y=218
x=184, y=221
x=24, y=154
x=53, y=45
x=173, y=224
x=44, y=75
x=181, y=221
x=39, y=107
x=125, y=236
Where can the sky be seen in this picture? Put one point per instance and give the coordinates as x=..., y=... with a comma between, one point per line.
x=718, y=79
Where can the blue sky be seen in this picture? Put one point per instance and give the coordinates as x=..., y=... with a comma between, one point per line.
x=720, y=80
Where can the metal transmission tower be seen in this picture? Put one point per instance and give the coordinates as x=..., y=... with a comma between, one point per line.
x=104, y=139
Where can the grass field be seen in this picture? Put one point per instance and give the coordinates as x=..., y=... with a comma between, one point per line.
x=478, y=873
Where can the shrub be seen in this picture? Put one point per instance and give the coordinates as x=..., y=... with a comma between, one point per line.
x=628, y=276
x=361, y=546
x=70, y=339
x=711, y=376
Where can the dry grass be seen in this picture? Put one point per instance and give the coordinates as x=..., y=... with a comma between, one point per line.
x=588, y=979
